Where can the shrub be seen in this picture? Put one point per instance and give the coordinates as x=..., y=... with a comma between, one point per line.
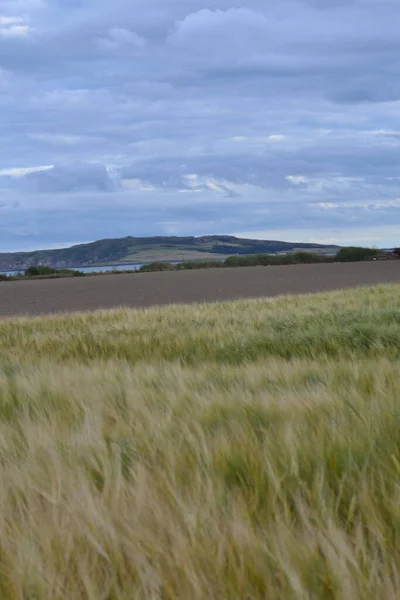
x=71, y=272
x=355, y=254
x=262, y=260
x=201, y=264
x=307, y=257
x=239, y=261
x=39, y=270
x=275, y=259
x=156, y=266
x=3, y=277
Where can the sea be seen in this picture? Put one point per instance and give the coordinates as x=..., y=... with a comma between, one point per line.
x=108, y=268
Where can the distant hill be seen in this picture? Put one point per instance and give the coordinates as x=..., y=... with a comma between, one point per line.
x=131, y=250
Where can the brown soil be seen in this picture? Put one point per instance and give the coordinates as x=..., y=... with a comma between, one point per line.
x=149, y=289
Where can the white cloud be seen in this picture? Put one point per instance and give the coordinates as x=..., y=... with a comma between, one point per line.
x=7, y=21
x=276, y=138
x=15, y=31
x=362, y=205
x=14, y=27
x=136, y=185
x=327, y=205
x=225, y=35
x=389, y=132
x=22, y=171
x=207, y=21
x=296, y=179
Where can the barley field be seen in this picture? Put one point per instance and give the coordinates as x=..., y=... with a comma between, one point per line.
x=241, y=450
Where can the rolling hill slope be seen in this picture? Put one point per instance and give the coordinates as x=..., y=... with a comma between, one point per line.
x=130, y=250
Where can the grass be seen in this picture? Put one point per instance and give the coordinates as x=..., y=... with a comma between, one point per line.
x=244, y=450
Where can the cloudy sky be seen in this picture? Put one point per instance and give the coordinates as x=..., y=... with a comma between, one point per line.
x=276, y=119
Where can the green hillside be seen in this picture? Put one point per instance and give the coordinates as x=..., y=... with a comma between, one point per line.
x=147, y=249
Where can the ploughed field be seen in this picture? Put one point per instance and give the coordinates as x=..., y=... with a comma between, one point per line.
x=151, y=289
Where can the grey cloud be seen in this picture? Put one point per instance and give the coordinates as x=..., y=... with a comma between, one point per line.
x=69, y=178
x=198, y=116
x=241, y=169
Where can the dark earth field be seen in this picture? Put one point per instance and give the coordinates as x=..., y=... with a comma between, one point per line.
x=40, y=297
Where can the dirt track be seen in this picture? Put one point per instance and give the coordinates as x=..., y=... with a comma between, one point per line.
x=148, y=289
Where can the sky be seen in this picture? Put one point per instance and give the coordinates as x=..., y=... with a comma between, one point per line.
x=271, y=120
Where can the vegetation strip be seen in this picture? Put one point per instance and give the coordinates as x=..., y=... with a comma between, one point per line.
x=350, y=254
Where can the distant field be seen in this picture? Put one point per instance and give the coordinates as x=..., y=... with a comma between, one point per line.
x=210, y=285
x=146, y=256
x=245, y=450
